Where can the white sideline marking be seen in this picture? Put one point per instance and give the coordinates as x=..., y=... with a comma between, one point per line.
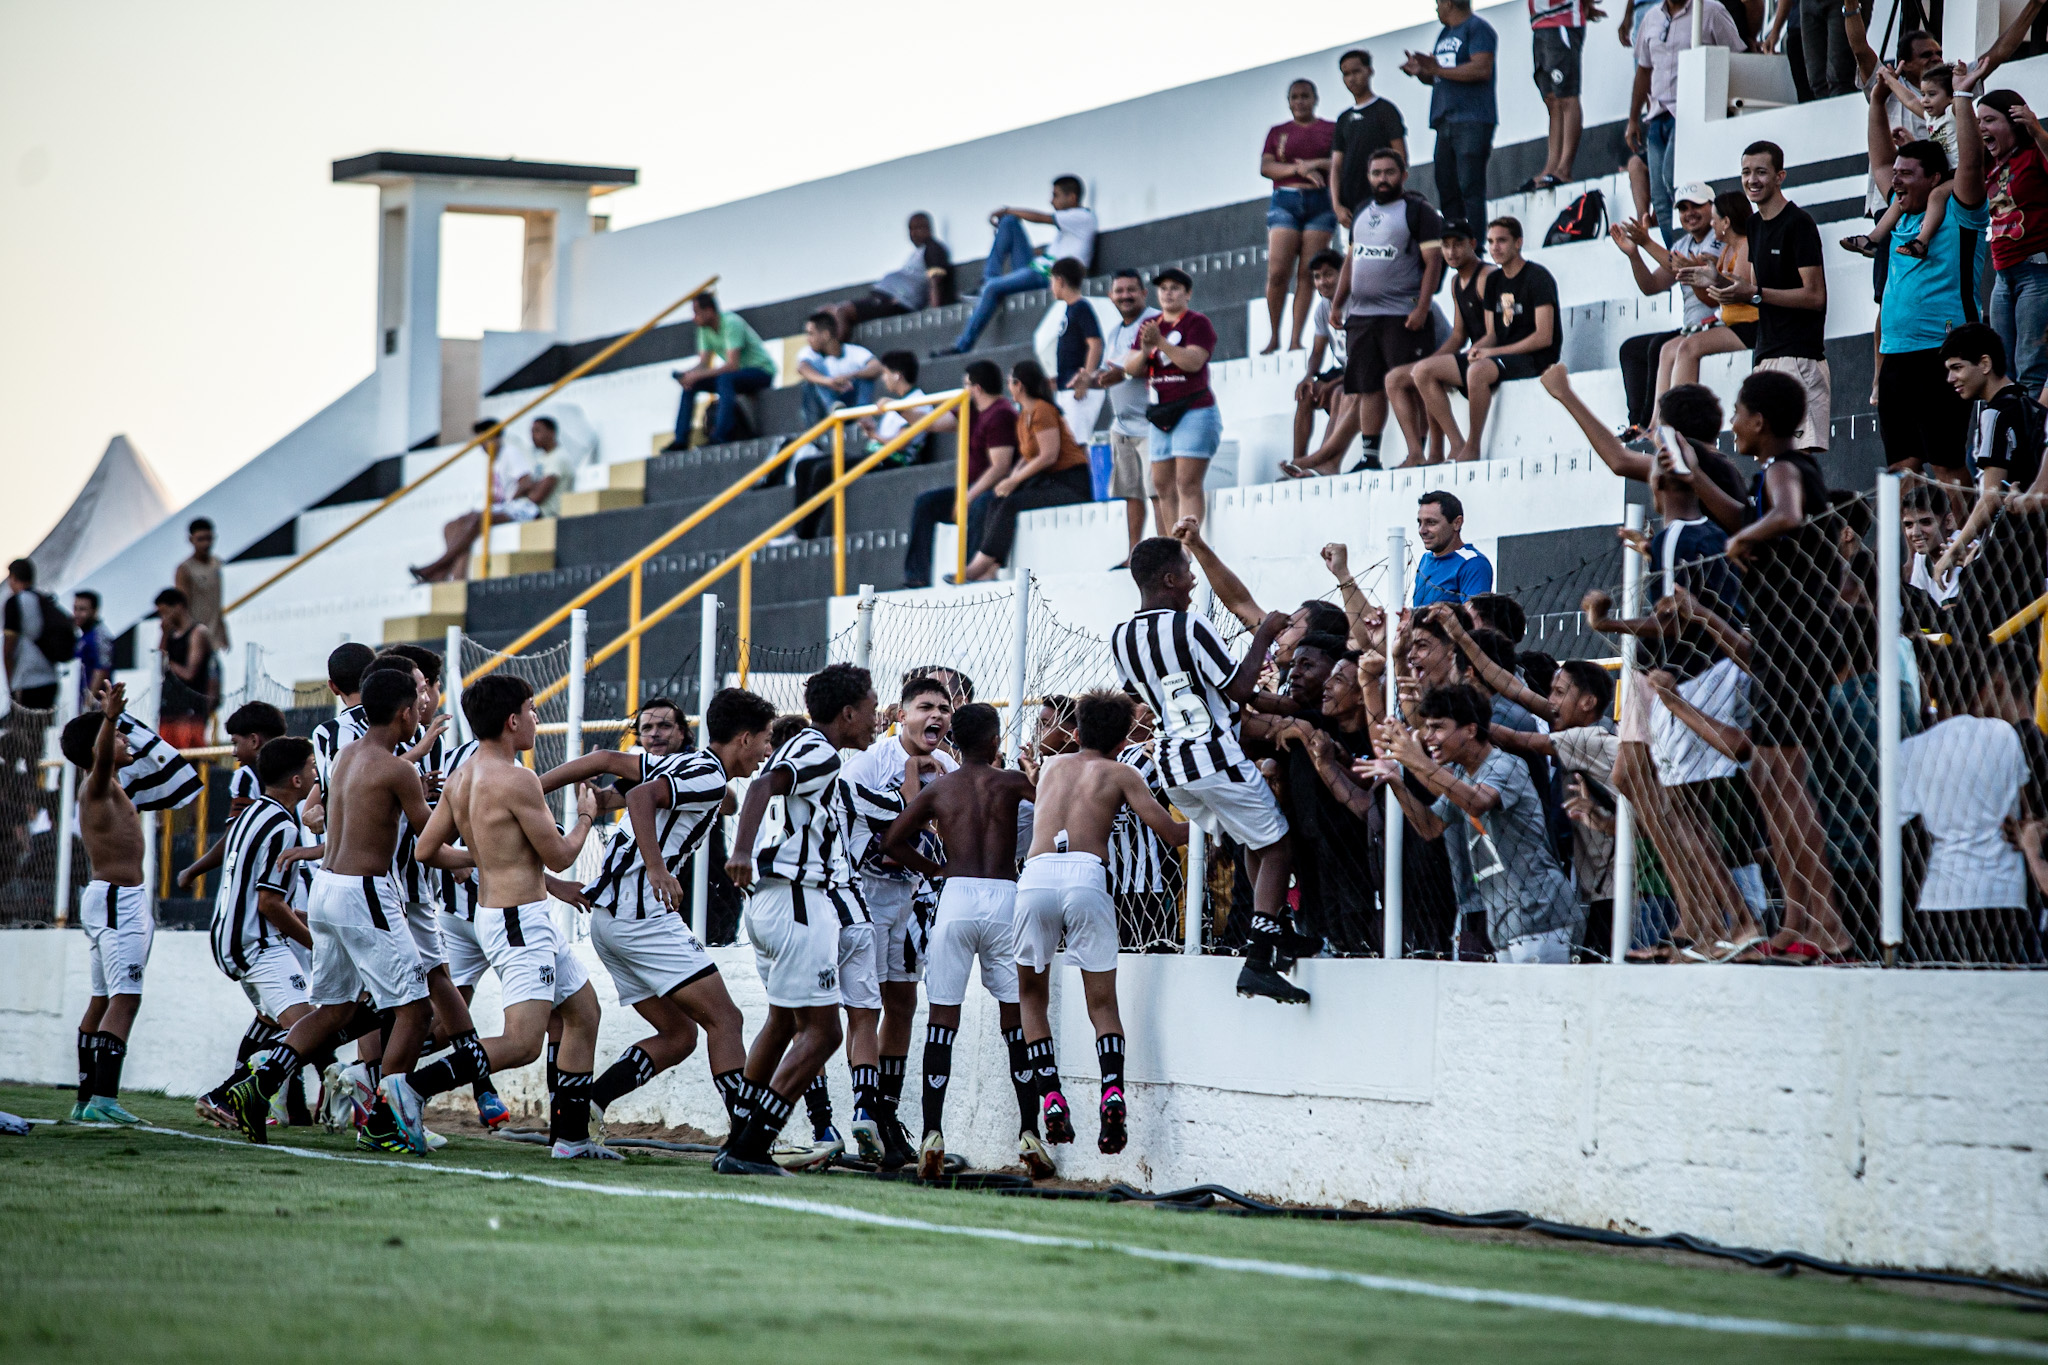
x=1386, y=1284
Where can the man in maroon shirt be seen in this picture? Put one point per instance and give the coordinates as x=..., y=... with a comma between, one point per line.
x=991, y=449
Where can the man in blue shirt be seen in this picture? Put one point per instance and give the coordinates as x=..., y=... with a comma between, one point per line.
x=1452, y=571
x=95, y=646
x=1459, y=72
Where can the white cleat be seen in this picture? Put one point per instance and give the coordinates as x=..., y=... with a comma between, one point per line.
x=584, y=1151
x=1038, y=1163
x=358, y=1093
x=435, y=1142
x=867, y=1138
x=931, y=1157
x=336, y=1108
x=807, y=1156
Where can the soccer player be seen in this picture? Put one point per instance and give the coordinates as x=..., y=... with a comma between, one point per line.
x=253, y=725
x=495, y=806
x=638, y=922
x=1176, y=664
x=346, y=666
x=975, y=808
x=119, y=924
x=1064, y=894
x=793, y=914
x=356, y=919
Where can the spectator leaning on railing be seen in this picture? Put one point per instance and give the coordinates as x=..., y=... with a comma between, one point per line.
x=924, y=280
x=1451, y=571
x=1299, y=216
x=1459, y=72
x=1372, y=122
x=185, y=704
x=730, y=361
x=1014, y=265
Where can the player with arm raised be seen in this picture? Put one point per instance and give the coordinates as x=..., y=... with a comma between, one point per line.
x=975, y=808
x=1176, y=664
x=1064, y=893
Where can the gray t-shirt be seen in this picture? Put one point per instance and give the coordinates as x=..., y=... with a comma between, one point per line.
x=1127, y=400
x=1508, y=856
x=30, y=668
x=1386, y=254
x=910, y=283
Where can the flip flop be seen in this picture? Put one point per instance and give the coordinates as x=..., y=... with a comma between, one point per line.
x=1729, y=952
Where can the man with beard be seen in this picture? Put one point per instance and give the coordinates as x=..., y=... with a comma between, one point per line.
x=1384, y=291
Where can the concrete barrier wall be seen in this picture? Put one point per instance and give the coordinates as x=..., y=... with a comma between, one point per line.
x=1883, y=1117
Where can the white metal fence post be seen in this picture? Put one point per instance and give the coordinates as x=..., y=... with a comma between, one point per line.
x=1890, y=720
x=1196, y=894
x=707, y=683
x=451, y=684
x=1392, y=943
x=151, y=711
x=67, y=792
x=1020, y=661
x=572, y=741
x=864, y=626
x=252, y=669
x=1624, y=815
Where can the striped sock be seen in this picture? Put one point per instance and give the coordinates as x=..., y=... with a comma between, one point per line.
x=633, y=1070
x=818, y=1104
x=893, y=1069
x=867, y=1083
x=1109, y=1051
x=1023, y=1080
x=88, y=1064
x=732, y=1086
x=569, y=1110
x=938, y=1072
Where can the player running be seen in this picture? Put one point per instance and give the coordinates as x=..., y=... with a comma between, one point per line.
x=1064, y=894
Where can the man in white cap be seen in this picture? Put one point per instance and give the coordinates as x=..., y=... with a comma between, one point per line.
x=1695, y=244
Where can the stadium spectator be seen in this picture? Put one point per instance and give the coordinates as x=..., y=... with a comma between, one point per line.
x=1734, y=326
x=1173, y=357
x=1014, y=265
x=1468, y=296
x=730, y=361
x=31, y=677
x=1926, y=523
x=836, y=373
x=516, y=495
x=1524, y=337
x=189, y=690
x=2018, y=194
x=1077, y=355
x=1054, y=472
x=1368, y=125
x=1644, y=370
x=1652, y=129
x=1130, y=472
x=1829, y=61
x=95, y=653
x=991, y=450
x=1299, y=218
x=1459, y=72
x=2003, y=537
x=1928, y=288
x=1784, y=280
x=198, y=577
x=899, y=385
x=1452, y=571
x=1383, y=295
x=924, y=280
x=554, y=469
x=1557, y=34
x=1331, y=825
x=1322, y=387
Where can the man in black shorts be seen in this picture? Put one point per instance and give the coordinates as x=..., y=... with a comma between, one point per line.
x=1468, y=294
x=1383, y=294
x=1523, y=338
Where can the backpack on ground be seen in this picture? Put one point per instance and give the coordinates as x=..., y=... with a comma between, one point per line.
x=58, y=639
x=1582, y=220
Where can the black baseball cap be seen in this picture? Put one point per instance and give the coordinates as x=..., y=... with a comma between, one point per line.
x=1458, y=227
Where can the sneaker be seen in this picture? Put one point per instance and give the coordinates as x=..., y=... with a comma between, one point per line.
x=896, y=1149
x=1059, y=1124
x=77, y=1114
x=435, y=1142
x=725, y=1163
x=406, y=1111
x=1038, y=1163
x=867, y=1137
x=359, y=1093
x=280, y=1115
x=491, y=1111
x=212, y=1108
x=103, y=1109
x=931, y=1156
x=250, y=1109
x=1112, y=1137
x=584, y=1151
x=389, y=1143
x=336, y=1110
x=597, y=1121
x=809, y=1156
x=1269, y=983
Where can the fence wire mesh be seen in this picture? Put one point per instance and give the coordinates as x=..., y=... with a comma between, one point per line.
x=28, y=820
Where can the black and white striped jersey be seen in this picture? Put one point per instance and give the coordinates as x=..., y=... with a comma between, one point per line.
x=421, y=885
x=244, y=785
x=696, y=792
x=864, y=815
x=156, y=776
x=255, y=841
x=457, y=893
x=333, y=735
x=880, y=770
x=1137, y=855
x=811, y=847
x=1176, y=664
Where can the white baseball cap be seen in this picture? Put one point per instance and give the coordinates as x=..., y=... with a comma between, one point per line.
x=1698, y=192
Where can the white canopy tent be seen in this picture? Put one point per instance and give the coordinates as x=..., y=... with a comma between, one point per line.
x=123, y=499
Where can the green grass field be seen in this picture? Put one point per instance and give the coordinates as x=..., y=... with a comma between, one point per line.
x=139, y=1246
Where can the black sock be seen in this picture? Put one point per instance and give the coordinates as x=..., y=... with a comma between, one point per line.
x=892, y=1080
x=106, y=1083
x=1109, y=1051
x=633, y=1070
x=1262, y=937
x=554, y=1076
x=381, y=1123
x=1022, y=1080
x=296, y=1111
x=386, y=1020
x=938, y=1070
x=465, y=1062
x=364, y=1021
x=275, y=1069
x=569, y=1110
x=818, y=1104
x=88, y=1063
x=376, y=1070
x=1045, y=1071
x=732, y=1086
x=764, y=1125
x=867, y=1088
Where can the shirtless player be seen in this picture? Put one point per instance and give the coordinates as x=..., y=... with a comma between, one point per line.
x=356, y=914
x=494, y=805
x=1063, y=892
x=976, y=810
x=119, y=924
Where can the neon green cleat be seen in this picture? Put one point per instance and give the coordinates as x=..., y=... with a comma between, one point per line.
x=101, y=1109
x=77, y=1114
x=390, y=1143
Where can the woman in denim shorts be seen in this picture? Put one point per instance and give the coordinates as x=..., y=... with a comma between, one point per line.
x=1185, y=427
x=1299, y=219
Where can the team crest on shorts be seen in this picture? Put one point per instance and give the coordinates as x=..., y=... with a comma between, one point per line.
x=135, y=971
x=828, y=979
x=547, y=976
x=298, y=982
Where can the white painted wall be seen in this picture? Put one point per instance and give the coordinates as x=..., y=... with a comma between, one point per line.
x=1884, y=1117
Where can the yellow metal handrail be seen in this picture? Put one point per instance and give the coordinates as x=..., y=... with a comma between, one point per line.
x=957, y=402
x=634, y=566
x=473, y=442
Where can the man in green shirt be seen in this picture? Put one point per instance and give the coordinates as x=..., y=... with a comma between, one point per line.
x=730, y=361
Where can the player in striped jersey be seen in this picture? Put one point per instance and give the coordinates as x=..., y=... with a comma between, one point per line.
x=801, y=880
x=1137, y=856
x=253, y=725
x=1176, y=664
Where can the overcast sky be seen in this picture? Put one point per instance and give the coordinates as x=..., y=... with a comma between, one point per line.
x=176, y=265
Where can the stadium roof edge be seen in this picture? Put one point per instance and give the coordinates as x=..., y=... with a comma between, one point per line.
x=374, y=166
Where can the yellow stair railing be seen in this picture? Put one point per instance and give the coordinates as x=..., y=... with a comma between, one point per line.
x=471, y=444
x=633, y=569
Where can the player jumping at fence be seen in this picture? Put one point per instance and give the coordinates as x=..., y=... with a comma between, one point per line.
x=1064, y=894
x=975, y=809
x=801, y=883
x=494, y=805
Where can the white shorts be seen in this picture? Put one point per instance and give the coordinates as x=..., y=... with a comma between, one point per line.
x=119, y=928
x=977, y=919
x=798, y=962
x=1682, y=756
x=466, y=961
x=900, y=934
x=1246, y=810
x=422, y=920
x=361, y=943
x=278, y=977
x=1067, y=895
x=1553, y=946
x=648, y=957
x=533, y=961
x=860, y=967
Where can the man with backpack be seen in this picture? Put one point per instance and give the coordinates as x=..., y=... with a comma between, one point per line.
x=38, y=633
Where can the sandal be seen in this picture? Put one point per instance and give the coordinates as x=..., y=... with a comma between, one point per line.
x=1860, y=244
x=1914, y=248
